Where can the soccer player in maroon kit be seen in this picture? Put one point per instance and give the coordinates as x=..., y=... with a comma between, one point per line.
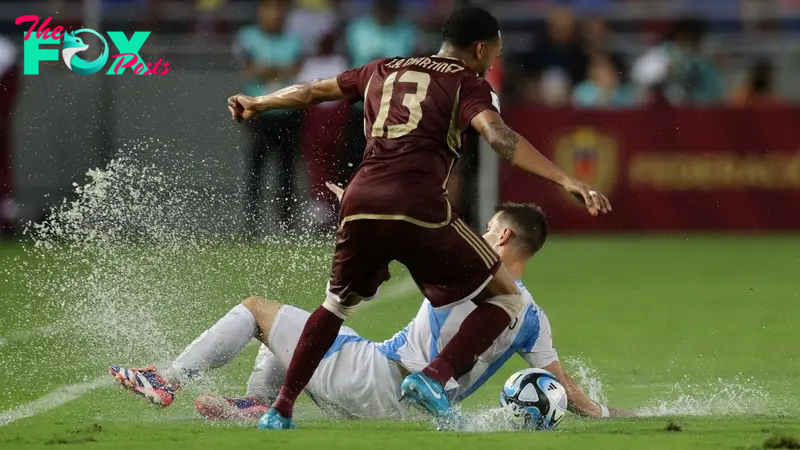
x=395, y=207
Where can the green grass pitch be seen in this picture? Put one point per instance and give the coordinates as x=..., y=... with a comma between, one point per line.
x=684, y=324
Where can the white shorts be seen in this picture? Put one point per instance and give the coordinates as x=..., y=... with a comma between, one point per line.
x=354, y=379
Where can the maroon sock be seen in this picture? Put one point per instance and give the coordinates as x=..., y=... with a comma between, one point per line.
x=475, y=336
x=318, y=336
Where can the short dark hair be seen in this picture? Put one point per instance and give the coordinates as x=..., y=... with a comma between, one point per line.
x=469, y=25
x=528, y=222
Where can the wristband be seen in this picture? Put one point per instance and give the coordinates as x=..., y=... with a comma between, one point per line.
x=603, y=411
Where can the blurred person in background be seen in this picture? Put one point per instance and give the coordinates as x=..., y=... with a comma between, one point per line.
x=559, y=50
x=209, y=17
x=9, y=89
x=594, y=33
x=323, y=139
x=603, y=88
x=678, y=69
x=382, y=34
x=271, y=58
x=554, y=89
x=313, y=20
x=757, y=90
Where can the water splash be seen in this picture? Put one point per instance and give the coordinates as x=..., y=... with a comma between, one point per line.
x=490, y=421
x=132, y=267
x=725, y=397
x=587, y=378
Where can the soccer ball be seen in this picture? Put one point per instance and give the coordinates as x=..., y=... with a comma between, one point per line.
x=536, y=397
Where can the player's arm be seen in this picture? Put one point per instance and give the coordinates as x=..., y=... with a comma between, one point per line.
x=579, y=402
x=515, y=149
x=297, y=96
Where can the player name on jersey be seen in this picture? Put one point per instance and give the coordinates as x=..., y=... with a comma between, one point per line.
x=426, y=63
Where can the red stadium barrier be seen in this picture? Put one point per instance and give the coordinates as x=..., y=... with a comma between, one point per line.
x=666, y=169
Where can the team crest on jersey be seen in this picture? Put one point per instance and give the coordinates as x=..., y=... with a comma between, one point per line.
x=590, y=156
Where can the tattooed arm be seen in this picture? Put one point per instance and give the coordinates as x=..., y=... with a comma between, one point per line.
x=515, y=149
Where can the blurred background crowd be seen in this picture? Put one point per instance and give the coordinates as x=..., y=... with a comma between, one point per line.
x=587, y=53
x=583, y=54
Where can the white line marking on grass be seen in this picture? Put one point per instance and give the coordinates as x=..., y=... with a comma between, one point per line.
x=53, y=400
x=25, y=335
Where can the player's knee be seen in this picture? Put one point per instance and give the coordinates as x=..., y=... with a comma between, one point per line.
x=511, y=304
x=256, y=302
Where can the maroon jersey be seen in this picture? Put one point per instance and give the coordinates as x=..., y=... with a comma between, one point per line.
x=416, y=111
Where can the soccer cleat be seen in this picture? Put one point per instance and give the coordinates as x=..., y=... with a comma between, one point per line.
x=427, y=393
x=217, y=407
x=273, y=420
x=145, y=382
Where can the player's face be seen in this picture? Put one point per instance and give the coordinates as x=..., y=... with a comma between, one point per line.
x=271, y=15
x=486, y=53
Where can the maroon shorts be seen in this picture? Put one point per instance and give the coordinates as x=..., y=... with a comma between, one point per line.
x=449, y=264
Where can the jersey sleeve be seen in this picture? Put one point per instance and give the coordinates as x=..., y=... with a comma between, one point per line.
x=539, y=352
x=353, y=83
x=477, y=96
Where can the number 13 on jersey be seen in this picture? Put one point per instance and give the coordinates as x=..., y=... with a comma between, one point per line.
x=412, y=101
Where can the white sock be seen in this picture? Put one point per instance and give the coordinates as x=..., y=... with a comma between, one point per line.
x=267, y=377
x=216, y=347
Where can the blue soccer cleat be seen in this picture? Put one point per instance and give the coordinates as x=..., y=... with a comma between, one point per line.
x=273, y=420
x=427, y=393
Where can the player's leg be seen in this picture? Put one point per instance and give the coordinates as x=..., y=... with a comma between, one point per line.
x=359, y=268
x=214, y=348
x=464, y=268
x=499, y=302
x=262, y=388
x=280, y=327
x=266, y=378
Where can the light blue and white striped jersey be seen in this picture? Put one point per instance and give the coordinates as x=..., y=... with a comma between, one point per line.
x=420, y=342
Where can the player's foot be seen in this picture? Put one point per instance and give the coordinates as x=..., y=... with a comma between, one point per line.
x=273, y=420
x=145, y=382
x=427, y=393
x=217, y=407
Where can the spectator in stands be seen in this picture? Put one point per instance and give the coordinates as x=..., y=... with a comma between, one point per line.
x=9, y=89
x=757, y=90
x=382, y=34
x=554, y=89
x=314, y=20
x=595, y=42
x=678, y=68
x=560, y=48
x=603, y=88
x=270, y=57
x=209, y=16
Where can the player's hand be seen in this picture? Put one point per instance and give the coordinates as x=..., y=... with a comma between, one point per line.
x=595, y=202
x=337, y=191
x=242, y=107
